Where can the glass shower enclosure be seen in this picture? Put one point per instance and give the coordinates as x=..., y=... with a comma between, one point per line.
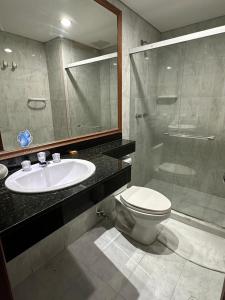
x=178, y=122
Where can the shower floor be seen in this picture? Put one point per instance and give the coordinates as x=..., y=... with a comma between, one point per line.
x=203, y=206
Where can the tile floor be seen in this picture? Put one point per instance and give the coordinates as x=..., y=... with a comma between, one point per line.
x=105, y=265
x=207, y=207
x=198, y=246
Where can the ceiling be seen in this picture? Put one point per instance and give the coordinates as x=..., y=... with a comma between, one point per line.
x=170, y=14
x=92, y=24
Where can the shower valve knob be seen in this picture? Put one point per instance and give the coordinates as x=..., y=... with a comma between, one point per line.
x=138, y=116
x=4, y=64
x=14, y=66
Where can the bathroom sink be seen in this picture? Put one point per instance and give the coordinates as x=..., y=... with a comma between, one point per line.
x=54, y=177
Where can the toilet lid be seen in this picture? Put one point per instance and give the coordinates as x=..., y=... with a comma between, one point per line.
x=145, y=200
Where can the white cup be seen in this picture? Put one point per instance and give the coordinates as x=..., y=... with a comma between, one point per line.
x=56, y=157
x=26, y=165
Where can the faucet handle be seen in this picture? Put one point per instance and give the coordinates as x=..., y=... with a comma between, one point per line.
x=26, y=165
x=56, y=157
x=41, y=157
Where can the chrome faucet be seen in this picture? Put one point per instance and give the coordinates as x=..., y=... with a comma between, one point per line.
x=42, y=159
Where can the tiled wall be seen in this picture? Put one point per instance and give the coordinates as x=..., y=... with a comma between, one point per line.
x=220, y=21
x=30, y=79
x=57, y=88
x=38, y=255
x=109, y=94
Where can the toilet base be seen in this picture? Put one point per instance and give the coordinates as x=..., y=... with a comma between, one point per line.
x=141, y=227
x=140, y=234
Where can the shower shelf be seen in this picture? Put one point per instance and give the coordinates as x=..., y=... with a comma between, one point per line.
x=196, y=137
x=166, y=99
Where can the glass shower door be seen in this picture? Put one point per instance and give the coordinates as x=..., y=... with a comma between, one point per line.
x=200, y=139
x=178, y=122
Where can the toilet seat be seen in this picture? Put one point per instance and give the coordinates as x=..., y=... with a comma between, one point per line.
x=145, y=200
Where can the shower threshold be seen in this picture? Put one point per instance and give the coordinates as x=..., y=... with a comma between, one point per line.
x=194, y=222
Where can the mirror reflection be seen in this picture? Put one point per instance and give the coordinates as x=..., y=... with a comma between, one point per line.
x=58, y=74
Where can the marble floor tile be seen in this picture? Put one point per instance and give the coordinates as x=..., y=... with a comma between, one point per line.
x=193, y=244
x=118, y=261
x=85, y=249
x=64, y=278
x=156, y=275
x=61, y=272
x=197, y=283
x=53, y=280
x=214, y=216
x=216, y=202
x=89, y=287
x=106, y=238
x=31, y=288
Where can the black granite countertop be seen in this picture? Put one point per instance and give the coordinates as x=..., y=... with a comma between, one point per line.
x=17, y=208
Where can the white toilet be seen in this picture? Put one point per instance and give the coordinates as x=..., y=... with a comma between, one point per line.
x=139, y=211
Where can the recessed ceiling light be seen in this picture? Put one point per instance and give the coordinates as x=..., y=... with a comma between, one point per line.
x=8, y=50
x=169, y=67
x=65, y=22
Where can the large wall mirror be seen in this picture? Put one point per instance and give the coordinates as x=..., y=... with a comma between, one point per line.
x=60, y=73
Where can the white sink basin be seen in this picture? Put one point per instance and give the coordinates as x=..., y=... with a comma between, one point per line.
x=55, y=176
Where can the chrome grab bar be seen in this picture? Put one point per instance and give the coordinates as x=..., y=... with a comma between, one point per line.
x=197, y=137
